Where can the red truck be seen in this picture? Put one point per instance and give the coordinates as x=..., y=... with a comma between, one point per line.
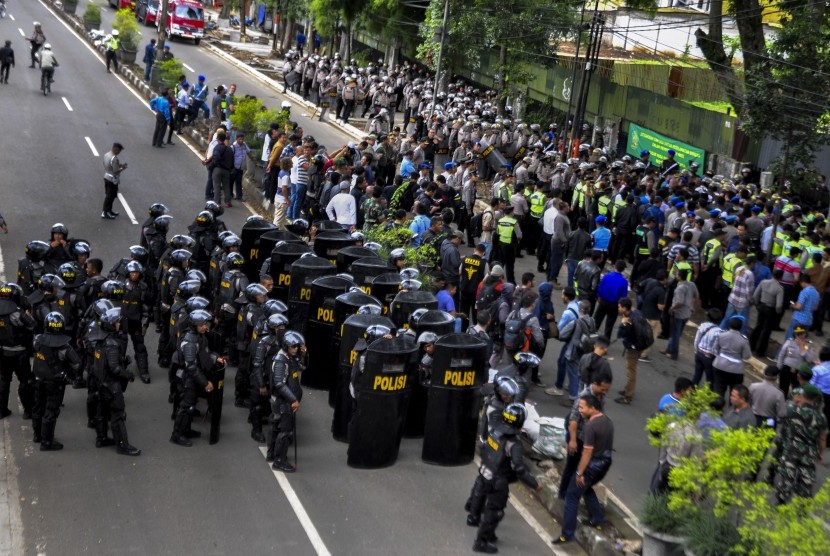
x=186, y=18
x=121, y=4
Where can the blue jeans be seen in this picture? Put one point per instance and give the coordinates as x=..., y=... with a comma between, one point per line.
x=572, y=368
x=297, y=197
x=200, y=105
x=571, y=264
x=572, y=496
x=560, y=367
x=732, y=311
x=147, y=69
x=675, y=333
x=791, y=329
x=557, y=256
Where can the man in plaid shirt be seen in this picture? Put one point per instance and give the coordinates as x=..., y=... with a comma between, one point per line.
x=740, y=300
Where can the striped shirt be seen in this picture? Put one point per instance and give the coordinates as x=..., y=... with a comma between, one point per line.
x=742, y=289
x=705, y=338
x=790, y=267
x=694, y=254
x=302, y=173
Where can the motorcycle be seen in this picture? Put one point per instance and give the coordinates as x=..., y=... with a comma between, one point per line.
x=2, y=9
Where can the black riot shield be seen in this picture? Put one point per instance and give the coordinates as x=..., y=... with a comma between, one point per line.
x=319, y=333
x=282, y=257
x=329, y=244
x=304, y=271
x=365, y=269
x=406, y=302
x=381, y=391
x=251, y=234
x=352, y=330
x=348, y=255
x=459, y=369
x=385, y=287
x=270, y=239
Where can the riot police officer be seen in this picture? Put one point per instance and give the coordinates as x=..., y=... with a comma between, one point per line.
x=286, y=394
x=136, y=312
x=250, y=314
x=113, y=378
x=231, y=286
x=517, y=370
x=194, y=361
x=265, y=347
x=31, y=266
x=45, y=299
x=205, y=239
x=119, y=271
x=54, y=362
x=148, y=227
x=179, y=261
x=91, y=335
x=58, y=248
x=179, y=325
x=16, y=327
x=501, y=457
x=219, y=260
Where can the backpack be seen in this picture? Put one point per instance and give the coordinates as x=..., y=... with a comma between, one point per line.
x=643, y=335
x=516, y=332
x=489, y=299
x=476, y=225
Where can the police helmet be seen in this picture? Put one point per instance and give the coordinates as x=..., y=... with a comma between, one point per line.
x=162, y=223
x=514, y=415
x=135, y=266
x=409, y=273
x=506, y=386
x=235, y=260
x=274, y=307
x=411, y=285
x=139, y=253
x=180, y=256
x=60, y=228
x=195, y=303
x=358, y=236
x=276, y=321
x=112, y=289
x=196, y=274
x=416, y=315
x=369, y=309
x=47, y=46
x=285, y=105
x=254, y=218
x=54, y=322
x=188, y=289
x=231, y=241
x=181, y=241
x=36, y=250
x=108, y=320
x=225, y=233
x=67, y=273
x=50, y=282
x=156, y=210
x=214, y=208
x=252, y=291
x=81, y=248
x=199, y=316
x=292, y=339
x=427, y=338
x=299, y=226
x=205, y=218
x=527, y=359
x=376, y=332
x=12, y=292
x=397, y=255
x=101, y=306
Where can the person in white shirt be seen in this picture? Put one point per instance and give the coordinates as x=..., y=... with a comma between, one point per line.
x=282, y=196
x=342, y=208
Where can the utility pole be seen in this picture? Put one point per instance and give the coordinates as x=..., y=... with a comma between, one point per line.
x=162, y=37
x=573, y=74
x=440, y=56
x=591, y=56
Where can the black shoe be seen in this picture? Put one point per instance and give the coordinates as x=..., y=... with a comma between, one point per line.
x=258, y=436
x=181, y=441
x=192, y=434
x=269, y=457
x=90, y=423
x=52, y=446
x=113, y=213
x=485, y=547
x=78, y=383
x=127, y=450
x=5, y=413
x=492, y=538
x=36, y=438
x=540, y=269
x=104, y=442
x=171, y=143
x=106, y=216
x=163, y=362
x=145, y=378
x=283, y=466
x=560, y=540
x=242, y=403
x=590, y=523
x=473, y=521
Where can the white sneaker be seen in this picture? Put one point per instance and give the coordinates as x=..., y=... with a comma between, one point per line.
x=554, y=391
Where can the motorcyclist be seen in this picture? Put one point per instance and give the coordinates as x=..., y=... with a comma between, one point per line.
x=48, y=62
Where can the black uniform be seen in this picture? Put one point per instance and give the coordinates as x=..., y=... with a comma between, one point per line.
x=92, y=335
x=231, y=286
x=249, y=315
x=194, y=361
x=285, y=390
x=16, y=327
x=29, y=272
x=54, y=362
x=112, y=379
x=135, y=313
x=168, y=284
x=264, y=349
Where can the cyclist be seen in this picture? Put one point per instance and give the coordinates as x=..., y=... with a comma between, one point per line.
x=48, y=63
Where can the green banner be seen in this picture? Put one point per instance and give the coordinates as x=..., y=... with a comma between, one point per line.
x=643, y=139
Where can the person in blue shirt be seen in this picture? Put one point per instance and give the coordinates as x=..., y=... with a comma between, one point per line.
x=808, y=301
x=419, y=225
x=612, y=287
x=655, y=212
x=407, y=166
x=161, y=107
x=445, y=299
x=200, y=94
x=602, y=239
x=761, y=271
x=569, y=314
x=301, y=40
x=670, y=403
x=149, y=58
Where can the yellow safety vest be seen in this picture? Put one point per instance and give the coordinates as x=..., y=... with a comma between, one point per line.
x=578, y=194
x=731, y=262
x=537, y=204
x=811, y=250
x=708, y=247
x=778, y=243
x=506, y=227
x=113, y=43
x=682, y=265
x=602, y=205
x=619, y=203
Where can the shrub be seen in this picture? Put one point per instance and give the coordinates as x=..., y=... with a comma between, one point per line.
x=92, y=13
x=127, y=27
x=169, y=72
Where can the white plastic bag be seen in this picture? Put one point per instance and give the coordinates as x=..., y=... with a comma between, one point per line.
x=551, y=439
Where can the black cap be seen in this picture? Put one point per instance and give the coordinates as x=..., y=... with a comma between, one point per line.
x=118, y=146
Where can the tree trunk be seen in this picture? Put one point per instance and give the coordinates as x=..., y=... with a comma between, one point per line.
x=225, y=12
x=500, y=84
x=286, y=37
x=243, y=15
x=711, y=44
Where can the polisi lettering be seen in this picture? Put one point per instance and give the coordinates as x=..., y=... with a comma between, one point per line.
x=459, y=378
x=389, y=383
x=43, y=357
x=492, y=443
x=284, y=280
x=352, y=357
x=305, y=294
x=367, y=289
x=254, y=253
x=325, y=315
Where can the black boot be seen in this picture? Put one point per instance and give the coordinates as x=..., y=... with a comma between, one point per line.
x=280, y=455
x=272, y=445
x=37, y=426
x=485, y=547
x=143, y=367
x=182, y=425
x=48, y=442
x=5, y=389
x=124, y=447
x=102, y=440
x=26, y=392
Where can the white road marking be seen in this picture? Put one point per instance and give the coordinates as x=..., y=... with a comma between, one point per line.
x=297, y=506
x=127, y=209
x=22, y=34
x=535, y=525
x=11, y=17
x=68, y=106
x=2, y=268
x=91, y=146
x=188, y=68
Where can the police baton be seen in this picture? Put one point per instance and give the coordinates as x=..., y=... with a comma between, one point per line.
x=295, y=441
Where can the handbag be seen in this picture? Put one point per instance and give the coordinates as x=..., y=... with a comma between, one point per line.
x=553, y=329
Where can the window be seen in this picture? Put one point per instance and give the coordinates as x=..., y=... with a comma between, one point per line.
x=187, y=12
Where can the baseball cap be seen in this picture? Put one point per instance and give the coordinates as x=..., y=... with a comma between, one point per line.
x=599, y=219
x=497, y=270
x=714, y=212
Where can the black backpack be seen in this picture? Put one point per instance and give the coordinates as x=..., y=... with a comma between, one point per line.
x=476, y=225
x=517, y=334
x=488, y=299
x=643, y=335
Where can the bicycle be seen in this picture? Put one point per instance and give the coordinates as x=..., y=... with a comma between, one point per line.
x=46, y=81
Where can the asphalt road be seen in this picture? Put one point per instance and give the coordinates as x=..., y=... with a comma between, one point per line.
x=207, y=499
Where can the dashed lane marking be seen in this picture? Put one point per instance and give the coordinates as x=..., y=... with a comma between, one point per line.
x=68, y=106
x=92, y=147
x=127, y=209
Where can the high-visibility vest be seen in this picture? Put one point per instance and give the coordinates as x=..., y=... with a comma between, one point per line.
x=113, y=43
x=537, y=204
x=603, y=204
x=682, y=265
x=708, y=247
x=778, y=243
x=731, y=262
x=619, y=203
x=506, y=227
x=578, y=195
x=642, y=239
x=812, y=250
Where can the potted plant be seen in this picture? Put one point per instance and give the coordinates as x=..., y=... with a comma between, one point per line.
x=92, y=16
x=69, y=6
x=128, y=34
x=661, y=527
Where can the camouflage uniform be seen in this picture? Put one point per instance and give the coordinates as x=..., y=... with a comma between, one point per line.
x=372, y=212
x=797, y=451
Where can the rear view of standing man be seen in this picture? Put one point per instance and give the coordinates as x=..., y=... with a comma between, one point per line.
x=38, y=39
x=6, y=61
x=112, y=177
